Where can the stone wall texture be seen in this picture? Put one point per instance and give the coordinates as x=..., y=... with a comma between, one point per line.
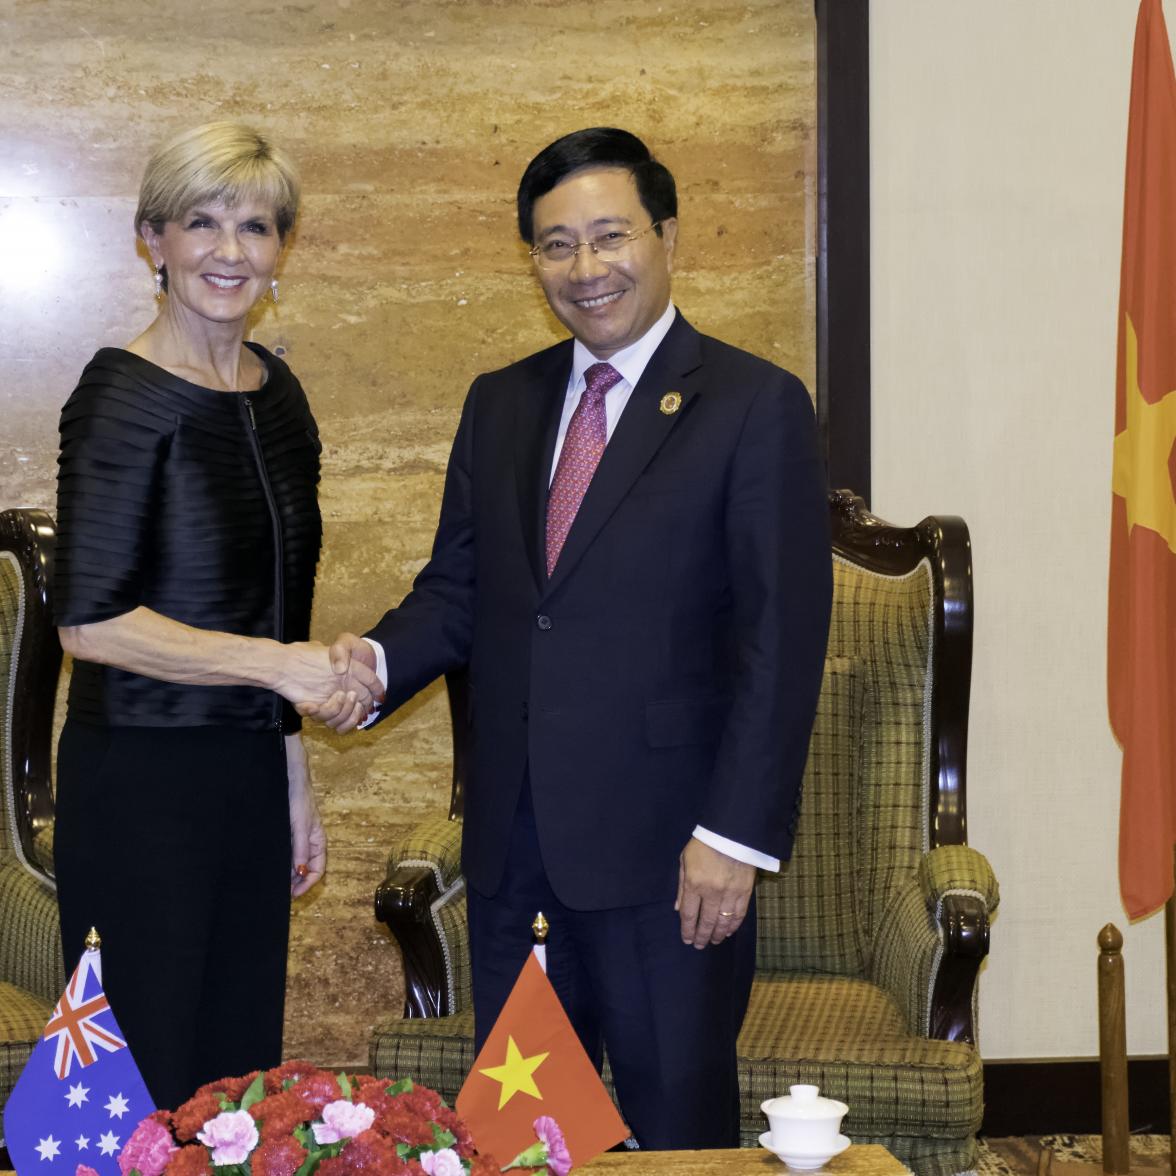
x=412, y=121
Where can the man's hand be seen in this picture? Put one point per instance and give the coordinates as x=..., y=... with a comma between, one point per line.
x=713, y=893
x=351, y=656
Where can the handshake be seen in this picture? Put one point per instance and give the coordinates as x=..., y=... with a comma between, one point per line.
x=336, y=686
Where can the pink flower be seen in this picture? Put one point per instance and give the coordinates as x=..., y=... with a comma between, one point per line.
x=85, y=1170
x=342, y=1120
x=232, y=1135
x=549, y=1149
x=445, y=1162
x=558, y=1159
x=148, y=1150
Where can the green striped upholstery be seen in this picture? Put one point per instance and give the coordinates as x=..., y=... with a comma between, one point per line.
x=22, y=1019
x=30, y=947
x=957, y=869
x=885, y=623
x=850, y=1038
x=435, y=843
x=809, y=915
x=435, y=1051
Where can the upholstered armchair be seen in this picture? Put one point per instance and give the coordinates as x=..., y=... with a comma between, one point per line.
x=871, y=938
x=31, y=969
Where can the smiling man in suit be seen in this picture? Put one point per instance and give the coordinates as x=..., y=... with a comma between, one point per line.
x=633, y=559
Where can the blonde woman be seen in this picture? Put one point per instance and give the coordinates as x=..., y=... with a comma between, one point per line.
x=189, y=532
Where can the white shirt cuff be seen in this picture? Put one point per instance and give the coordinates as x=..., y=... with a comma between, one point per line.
x=382, y=674
x=733, y=849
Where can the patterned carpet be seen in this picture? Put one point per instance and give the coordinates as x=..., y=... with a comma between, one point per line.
x=1019, y=1156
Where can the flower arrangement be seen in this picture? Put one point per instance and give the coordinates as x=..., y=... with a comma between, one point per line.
x=296, y=1120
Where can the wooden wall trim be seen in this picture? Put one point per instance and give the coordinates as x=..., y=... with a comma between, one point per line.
x=843, y=241
x=1062, y=1095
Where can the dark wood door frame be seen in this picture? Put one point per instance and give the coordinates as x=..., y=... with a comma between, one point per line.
x=843, y=240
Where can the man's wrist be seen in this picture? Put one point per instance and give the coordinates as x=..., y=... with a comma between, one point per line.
x=381, y=661
x=737, y=850
x=382, y=674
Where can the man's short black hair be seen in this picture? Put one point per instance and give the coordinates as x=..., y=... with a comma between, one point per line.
x=596, y=147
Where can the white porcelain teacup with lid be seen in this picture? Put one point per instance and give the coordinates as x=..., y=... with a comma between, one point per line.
x=804, y=1127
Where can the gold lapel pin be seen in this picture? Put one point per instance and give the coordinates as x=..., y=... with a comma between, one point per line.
x=670, y=403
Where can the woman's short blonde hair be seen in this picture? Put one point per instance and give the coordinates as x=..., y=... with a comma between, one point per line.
x=218, y=163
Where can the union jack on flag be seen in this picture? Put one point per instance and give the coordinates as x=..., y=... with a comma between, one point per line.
x=80, y=1095
x=73, y=1026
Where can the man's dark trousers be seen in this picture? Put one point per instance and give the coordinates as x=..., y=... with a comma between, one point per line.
x=624, y=974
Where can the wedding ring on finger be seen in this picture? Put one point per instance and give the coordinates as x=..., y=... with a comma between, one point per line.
x=302, y=869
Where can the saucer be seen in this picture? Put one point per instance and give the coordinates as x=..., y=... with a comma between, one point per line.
x=804, y=1163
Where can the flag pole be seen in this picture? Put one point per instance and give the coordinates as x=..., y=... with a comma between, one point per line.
x=1170, y=940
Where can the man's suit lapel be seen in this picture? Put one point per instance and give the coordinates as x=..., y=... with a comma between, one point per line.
x=639, y=434
x=540, y=405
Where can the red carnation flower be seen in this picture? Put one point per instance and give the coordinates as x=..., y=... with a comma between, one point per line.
x=278, y=1115
x=404, y=1127
x=371, y=1152
x=484, y=1165
x=421, y=1101
x=231, y=1088
x=318, y=1089
x=372, y=1092
x=192, y=1116
x=292, y=1071
x=277, y=1157
x=235, y=1088
x=189, y=1161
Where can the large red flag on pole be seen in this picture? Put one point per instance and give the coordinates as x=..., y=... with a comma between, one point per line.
x=1141, y=631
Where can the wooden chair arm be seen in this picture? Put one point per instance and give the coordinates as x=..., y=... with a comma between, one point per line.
x=403, y=904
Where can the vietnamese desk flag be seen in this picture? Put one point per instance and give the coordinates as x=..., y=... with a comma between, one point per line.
x=532, y=1065
x=1141, y=629
x=80, y=1094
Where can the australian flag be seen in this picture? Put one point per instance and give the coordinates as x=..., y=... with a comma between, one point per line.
x=80, y=1096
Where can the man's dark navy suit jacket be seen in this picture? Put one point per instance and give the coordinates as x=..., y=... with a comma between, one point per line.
x=667, y=674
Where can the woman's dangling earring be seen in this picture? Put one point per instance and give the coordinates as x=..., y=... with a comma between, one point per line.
x=159, y=281
x=274, y=290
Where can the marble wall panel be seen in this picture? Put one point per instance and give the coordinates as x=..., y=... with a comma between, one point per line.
x=412, y=121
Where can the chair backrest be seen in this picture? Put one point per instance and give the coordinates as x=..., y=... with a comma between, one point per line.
x=885, y=780
x=30, y=661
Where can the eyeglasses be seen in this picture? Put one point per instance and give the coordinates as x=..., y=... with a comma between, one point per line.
x=556, y=252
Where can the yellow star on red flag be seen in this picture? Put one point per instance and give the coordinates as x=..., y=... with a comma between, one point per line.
x=1141, y=474
x=517, y=1073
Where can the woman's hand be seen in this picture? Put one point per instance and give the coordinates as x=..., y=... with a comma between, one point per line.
x=308, y=840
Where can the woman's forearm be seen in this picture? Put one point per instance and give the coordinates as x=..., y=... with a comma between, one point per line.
x=145, y=642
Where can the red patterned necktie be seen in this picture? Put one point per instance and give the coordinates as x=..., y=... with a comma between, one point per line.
x=584, y=443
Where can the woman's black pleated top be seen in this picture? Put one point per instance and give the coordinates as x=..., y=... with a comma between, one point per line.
x=198, y=504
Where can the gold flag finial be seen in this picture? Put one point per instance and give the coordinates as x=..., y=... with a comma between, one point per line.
x=93, y=940
x=540, y=927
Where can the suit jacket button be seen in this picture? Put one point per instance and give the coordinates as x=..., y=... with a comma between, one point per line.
x=543, y=621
